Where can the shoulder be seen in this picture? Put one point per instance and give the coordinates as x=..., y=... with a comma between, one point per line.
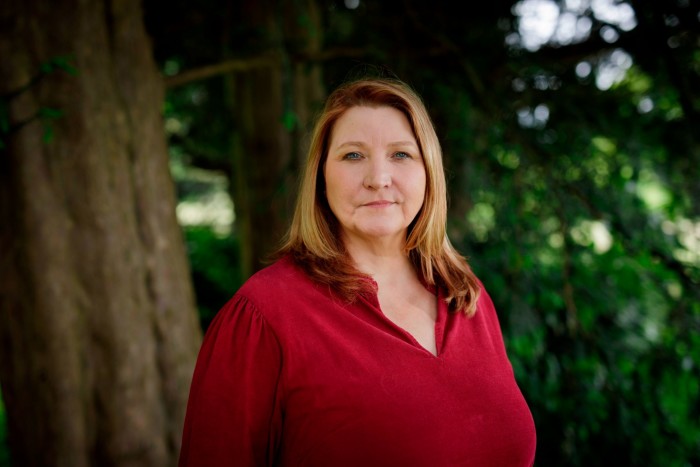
x=486, y=307
x=282, y=275
x=280, y=285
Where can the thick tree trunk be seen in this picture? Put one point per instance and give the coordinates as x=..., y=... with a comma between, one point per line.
x=98, y=330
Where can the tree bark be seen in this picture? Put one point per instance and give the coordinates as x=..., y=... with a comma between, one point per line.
x=271, y=107
x=98, y=329
x=260, y=151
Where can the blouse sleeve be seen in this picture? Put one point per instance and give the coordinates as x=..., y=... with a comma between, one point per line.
x=233, y=413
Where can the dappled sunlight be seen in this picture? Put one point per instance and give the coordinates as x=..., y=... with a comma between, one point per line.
x=612, y=69
x=538, y=22
x=508, y=159
x=214, y=210
x=533, y=118
x=652, y=191
x=687, y=233
x=549, y=23
x=543, y=22
x=204, y=200
x=594, y=234
x=647, y=321
x=482, y=220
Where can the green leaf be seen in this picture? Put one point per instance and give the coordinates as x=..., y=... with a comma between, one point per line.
x=50, y=113
x=48, y=134
x=64, y=63
x=289, y=120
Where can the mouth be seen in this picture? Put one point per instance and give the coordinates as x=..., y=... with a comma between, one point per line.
x=378, y=204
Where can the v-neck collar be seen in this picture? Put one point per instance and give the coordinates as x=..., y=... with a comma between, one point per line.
x=372, y=301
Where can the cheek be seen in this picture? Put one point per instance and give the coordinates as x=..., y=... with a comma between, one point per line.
x=340, y=184
x=420, y=183
x=334, y=189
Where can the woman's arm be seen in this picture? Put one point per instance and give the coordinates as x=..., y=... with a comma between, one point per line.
x=234, y=414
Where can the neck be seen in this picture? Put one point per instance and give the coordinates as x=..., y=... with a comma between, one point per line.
x=382, y=263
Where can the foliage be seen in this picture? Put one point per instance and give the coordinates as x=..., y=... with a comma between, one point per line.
x=572, y=169
x=46, y=115
x=215, y=272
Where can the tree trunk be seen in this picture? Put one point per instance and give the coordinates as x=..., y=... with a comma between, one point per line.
x=98, y=330
x=260, y=145
x=260, y=150
x=271, y=107
x=309, y=92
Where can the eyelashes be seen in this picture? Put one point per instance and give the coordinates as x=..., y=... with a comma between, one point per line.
x=352, y=156
x=355, y=156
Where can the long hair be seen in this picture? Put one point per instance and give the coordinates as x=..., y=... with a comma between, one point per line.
x=314, y=240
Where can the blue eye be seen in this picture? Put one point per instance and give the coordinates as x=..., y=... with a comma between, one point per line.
x=352, y=156
x=402, y=155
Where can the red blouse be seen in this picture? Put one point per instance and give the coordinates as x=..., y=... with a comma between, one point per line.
x=289, y=374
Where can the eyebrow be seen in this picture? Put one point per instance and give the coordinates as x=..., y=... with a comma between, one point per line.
x=392, y=144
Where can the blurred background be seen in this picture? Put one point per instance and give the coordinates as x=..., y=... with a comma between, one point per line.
x=570, y=132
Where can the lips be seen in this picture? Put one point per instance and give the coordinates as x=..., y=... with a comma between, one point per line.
x=379, y=203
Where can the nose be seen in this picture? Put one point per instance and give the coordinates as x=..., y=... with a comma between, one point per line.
x=378, y=174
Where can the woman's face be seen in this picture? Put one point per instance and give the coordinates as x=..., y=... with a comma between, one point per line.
x=374, y=173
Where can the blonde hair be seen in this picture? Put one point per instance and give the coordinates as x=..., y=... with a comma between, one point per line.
x=313, y=238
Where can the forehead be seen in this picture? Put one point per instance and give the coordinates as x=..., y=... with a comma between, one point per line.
x=364, y=122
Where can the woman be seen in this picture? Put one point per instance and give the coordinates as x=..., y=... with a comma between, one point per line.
x=369, y=342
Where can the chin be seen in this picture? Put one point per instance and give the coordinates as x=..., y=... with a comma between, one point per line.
x=380, y=232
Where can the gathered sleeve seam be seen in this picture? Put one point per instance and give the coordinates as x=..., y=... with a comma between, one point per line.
x=255, y=309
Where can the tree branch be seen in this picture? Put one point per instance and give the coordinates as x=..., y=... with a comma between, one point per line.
x=263, y=61
x=227, y=66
